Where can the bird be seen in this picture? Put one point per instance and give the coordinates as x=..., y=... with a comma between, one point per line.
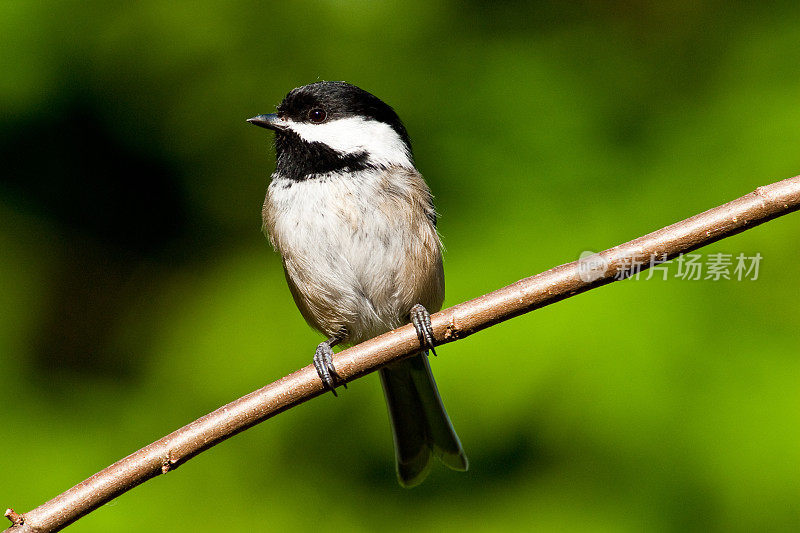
x=355, y=225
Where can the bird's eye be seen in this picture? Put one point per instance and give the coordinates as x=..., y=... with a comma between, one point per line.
x=317, y=115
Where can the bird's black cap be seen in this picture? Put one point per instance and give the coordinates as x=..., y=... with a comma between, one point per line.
x=318, y=103
x=339, y=99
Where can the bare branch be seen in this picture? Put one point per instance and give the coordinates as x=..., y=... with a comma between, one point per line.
x=12, y=515
x=457, y=322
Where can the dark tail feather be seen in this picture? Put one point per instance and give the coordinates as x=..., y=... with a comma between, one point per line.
x=420, y=424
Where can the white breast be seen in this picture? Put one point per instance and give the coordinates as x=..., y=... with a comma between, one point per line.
x=353, y=249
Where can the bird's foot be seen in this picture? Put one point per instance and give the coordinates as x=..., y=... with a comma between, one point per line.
x=421, y=319
x=323, y=362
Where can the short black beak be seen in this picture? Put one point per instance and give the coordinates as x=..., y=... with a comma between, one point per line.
x=271, y=121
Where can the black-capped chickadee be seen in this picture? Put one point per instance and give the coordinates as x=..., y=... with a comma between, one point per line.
x=355, y=224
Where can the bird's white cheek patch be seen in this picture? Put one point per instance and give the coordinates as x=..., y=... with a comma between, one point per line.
x=354, y=134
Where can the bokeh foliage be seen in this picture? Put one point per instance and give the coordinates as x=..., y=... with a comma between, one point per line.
x=137, y=293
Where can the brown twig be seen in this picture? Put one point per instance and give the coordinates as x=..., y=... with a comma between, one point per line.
x=14, y=516
x=457, y=322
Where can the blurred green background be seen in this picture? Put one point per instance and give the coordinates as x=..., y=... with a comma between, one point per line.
x=137, y=292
